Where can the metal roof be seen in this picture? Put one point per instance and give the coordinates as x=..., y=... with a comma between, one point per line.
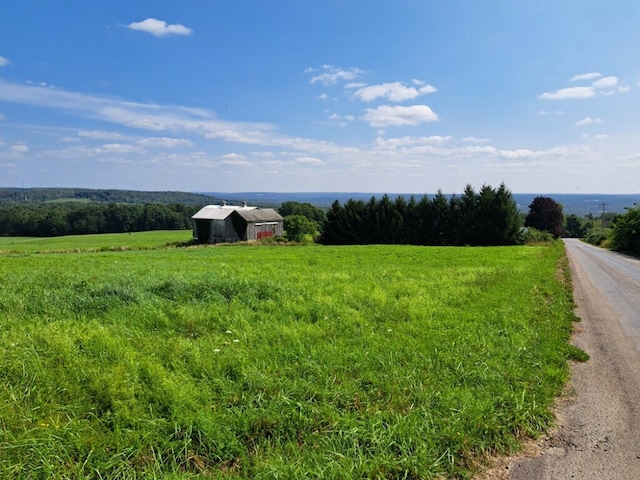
x=219, y=212
x=260, y=215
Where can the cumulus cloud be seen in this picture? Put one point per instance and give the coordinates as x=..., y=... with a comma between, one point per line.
x=4, y=61
x=159, y=28
x=606, y=82
x=587, y=121
x=475, y=140
x=165, y=142
x=571, y=92
x=385, y=115
x=585, y=76
x=99, y=135
x=544, y=113
x=308, y=161
x=19, y=149
x=236, y=159
x=604, y=86
x=331, y=75
x=412, y=141
x=121, y=148
x=394, y=92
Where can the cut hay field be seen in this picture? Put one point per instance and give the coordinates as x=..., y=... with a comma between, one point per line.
x=105, y=242
x=277, y=362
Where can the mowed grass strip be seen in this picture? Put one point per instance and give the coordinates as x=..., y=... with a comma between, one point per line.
x=101, y=242
x=278, y=362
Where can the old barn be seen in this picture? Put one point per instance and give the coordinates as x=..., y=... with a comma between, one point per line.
x=231, y=223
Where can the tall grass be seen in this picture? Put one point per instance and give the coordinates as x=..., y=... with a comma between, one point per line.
x=327, y=362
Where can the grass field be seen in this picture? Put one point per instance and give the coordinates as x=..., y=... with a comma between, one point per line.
x=277, y=362
x=106, y=242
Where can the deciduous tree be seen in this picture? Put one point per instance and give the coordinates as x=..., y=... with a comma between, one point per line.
x=545, y=214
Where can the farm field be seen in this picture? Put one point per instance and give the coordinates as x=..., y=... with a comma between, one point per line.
x=105, y=242
x=277, y=362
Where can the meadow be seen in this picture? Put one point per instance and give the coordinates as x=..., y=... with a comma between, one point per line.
x=277, y=362
x=84, y=243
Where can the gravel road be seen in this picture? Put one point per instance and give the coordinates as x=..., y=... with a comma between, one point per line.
x=598, y=434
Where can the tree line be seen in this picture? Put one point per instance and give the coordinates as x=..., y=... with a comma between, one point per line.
x=55, y=219
x=487, y=217
x=38, y=195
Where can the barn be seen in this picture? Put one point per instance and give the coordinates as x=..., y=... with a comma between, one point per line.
x=231, y=223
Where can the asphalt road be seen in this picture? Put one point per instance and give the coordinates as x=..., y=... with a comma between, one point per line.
x=598, y=434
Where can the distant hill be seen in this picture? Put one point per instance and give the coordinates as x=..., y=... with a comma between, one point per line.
x=579, y=204
x=36, y=195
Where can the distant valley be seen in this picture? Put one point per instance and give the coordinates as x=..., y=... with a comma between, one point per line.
x=579, y=204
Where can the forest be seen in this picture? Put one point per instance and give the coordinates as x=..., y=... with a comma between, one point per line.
x=55, y=219
x=487, y=217
x=30, y=195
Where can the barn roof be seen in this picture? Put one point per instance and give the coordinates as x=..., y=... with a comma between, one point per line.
x=260, y=215
x=219, y=212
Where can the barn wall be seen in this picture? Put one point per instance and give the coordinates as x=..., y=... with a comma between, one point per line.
x=230, y=233
x=201, y=230
x=256, y=231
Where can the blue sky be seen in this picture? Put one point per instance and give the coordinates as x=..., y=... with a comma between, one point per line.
x=337, y=95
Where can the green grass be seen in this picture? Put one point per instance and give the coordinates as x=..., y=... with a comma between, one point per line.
x=104, y=242
x=277, y=362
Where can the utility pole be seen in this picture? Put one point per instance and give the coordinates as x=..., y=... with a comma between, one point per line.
x=603, y=204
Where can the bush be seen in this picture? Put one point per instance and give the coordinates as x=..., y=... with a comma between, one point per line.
x=626, y=232
x=297, y=226
x=597, y=236
x=533, y=235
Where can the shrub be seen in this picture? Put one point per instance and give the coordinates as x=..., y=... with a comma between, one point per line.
x=533, y=235
x=597, y=236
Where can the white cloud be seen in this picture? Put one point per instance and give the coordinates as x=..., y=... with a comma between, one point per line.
x=412, y=141
x=4, y=61
x=308, y=161
x=263, y=154
x=571, y=92
x=544, y=113
x=352, y=85
x=159, y=28
x=475, y=140
x=606, y=82
x=604, y=86
x=585, y=76
x=588, y=121
x=19, y=149
x=119, y=148
x=386, y=115
x=332, y=75
x=236, y=159
x=165, y=142
x=394, y=92
x=99, y=135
